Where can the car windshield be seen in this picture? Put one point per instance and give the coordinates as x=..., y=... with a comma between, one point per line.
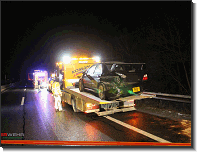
x=128, y=67
x=109, y=66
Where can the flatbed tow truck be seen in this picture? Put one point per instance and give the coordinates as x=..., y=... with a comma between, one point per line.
x=87, y=102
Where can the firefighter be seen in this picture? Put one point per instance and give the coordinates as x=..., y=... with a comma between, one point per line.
x=57, y=95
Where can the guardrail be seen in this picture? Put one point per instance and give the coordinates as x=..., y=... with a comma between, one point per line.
x=170, y=97
x=7, y=86
x=181, y=103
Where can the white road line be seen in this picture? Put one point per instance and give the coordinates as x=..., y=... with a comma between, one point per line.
x=22, y=101
x=137, y=130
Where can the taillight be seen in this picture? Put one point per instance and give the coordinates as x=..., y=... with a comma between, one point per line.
x=90, y=106
x=145, y=77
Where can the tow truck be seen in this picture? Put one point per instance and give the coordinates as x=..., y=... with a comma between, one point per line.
x=68, y=74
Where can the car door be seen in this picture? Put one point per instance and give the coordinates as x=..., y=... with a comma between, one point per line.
x=96, y=76
x=87, y=78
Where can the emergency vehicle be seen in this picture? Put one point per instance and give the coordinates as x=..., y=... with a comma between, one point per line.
x=68, y=74
x=41, y=76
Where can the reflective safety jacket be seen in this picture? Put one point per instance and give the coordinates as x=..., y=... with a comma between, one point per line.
x=51, y=82
x=56, y=88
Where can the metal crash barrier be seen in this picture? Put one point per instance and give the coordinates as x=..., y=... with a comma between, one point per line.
x=168, y=101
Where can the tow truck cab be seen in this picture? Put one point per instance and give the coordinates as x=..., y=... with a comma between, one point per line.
x=69, y=71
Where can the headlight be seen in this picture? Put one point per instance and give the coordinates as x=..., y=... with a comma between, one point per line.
x=44, y=84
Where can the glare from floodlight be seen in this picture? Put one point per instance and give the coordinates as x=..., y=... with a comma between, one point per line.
x=97, y=59
x=66, y=59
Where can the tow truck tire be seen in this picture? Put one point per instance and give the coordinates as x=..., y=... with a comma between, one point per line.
x=73, y=102
x=81, y=86
x=101, y=91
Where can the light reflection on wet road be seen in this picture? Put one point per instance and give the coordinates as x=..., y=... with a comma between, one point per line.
x=41, y=122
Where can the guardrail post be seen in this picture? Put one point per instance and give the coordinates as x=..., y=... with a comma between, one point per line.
x=170, y=105
x=184, y=108
x=160, y=103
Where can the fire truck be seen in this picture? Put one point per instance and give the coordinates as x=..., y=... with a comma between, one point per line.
x=41, y=76
x=68, y=74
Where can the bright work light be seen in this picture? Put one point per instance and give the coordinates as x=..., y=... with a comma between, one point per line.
x=66, y=59
x=97, y=59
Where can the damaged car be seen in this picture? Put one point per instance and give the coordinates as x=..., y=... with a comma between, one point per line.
x=114, y=79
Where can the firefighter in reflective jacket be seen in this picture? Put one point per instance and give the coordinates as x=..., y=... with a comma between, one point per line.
x=57, y=95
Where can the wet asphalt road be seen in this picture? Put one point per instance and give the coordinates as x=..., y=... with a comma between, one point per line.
x=38, y=120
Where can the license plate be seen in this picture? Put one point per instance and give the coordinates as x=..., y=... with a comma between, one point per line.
x=110, y=105
x=136, y=89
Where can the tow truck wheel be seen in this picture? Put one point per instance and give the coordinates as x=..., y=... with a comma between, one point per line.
x=73, y=102
x=101, y=91
x=81, y=86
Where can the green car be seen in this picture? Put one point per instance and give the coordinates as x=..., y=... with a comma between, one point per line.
x=114, y=79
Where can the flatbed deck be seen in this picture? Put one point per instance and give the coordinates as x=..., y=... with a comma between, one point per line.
x=122, y=104
x=93, y=97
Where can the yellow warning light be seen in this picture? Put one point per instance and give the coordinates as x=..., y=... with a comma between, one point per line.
x=74, y=59
x=84, y=58
x=83, y=61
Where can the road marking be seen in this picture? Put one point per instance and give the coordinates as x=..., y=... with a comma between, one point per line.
x=137, y=130
x=22, y=101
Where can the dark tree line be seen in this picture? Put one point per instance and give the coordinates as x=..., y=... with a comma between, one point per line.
x=166, y=49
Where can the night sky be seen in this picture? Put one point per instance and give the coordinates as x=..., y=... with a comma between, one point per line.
x=35, y=35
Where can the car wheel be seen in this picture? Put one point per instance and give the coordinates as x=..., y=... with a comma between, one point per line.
x=73, y=102
x=101, y=91
x=81, y=86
